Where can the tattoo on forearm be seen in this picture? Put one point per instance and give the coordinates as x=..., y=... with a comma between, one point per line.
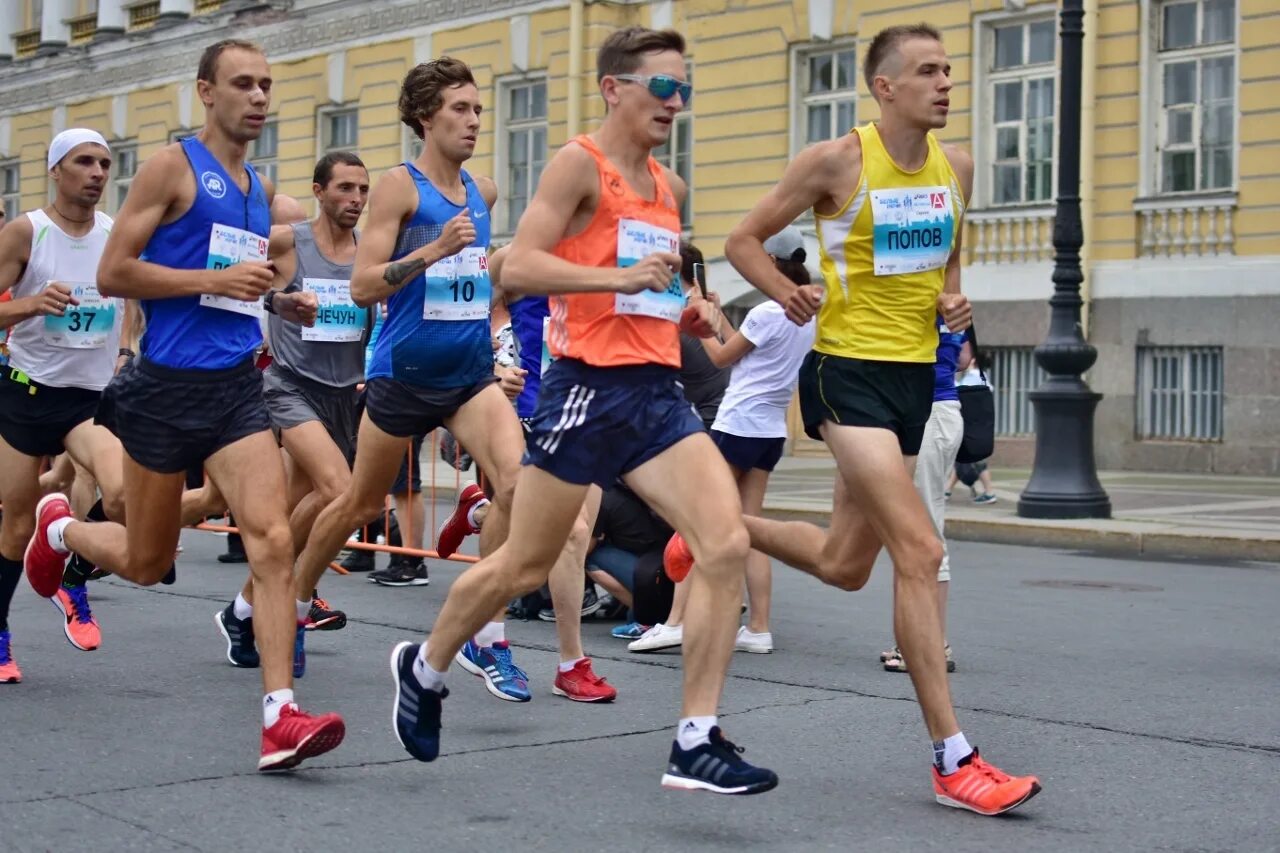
x=398, y=273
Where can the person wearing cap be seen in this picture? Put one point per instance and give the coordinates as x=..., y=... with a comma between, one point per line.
x=64, y=337
x=751, y=427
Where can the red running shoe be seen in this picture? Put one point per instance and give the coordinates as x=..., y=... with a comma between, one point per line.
x=44, y=565
x=456, y=527
x=581, y=684
x=677, y=559
x=297, y=736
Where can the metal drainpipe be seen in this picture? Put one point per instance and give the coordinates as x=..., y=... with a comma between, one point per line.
x=1088, y=126
x=576, y=26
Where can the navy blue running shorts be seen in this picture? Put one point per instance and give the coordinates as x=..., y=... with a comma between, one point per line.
x=745, y=453
x=594, y=424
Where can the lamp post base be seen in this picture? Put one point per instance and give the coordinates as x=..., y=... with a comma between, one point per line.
x=1064, y=482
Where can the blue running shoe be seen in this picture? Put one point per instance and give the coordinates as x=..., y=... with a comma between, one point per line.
x=716, y=767
x=300, y=650
x=629, y=631
x=416, y=718
x=241, y=650
x=493, y=663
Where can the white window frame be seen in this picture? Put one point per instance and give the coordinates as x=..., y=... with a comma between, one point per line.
x=669, y=156
x=267, y=164
x=801, y=99
x=11, y=197
x=324, y=140
x=1193, y=409
x=122, y=154
x=504, y=223
x=1152, y=115
x=984, y=130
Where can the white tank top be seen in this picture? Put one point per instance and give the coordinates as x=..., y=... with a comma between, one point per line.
x=77, y=350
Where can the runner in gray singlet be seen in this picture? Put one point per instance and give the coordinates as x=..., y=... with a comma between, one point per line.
x=311, y=386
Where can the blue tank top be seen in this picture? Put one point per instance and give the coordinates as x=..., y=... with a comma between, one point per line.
x=436, y=334
x=944, y=369
x=527, y=316
x=180, y=331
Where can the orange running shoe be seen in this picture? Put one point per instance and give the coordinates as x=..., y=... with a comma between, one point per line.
x=9, y=672
x=677, y=559
x=77, y=619
x=983, y=788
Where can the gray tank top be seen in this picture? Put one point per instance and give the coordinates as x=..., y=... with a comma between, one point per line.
x=331, y=353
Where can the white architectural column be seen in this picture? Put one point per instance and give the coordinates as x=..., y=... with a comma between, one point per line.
x=660, y=14
x=520, y=42
x=10, y=23
x=55, y=32
x=173, y=11
x=113, y=19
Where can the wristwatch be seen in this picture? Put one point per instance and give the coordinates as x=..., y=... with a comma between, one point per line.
x=268, y=301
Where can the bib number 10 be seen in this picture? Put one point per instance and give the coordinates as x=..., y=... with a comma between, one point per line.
x=463, y=291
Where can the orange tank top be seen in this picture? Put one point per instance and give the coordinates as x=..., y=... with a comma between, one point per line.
x=614, y=329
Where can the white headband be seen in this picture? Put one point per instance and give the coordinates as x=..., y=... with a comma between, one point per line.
x=68, y=139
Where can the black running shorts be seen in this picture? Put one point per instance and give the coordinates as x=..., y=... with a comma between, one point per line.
x=35, y=419
x=896, y=396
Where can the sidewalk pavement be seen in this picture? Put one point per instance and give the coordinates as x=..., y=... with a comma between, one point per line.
x=1171, y=515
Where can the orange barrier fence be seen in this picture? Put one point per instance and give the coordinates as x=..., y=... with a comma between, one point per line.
x=431, y=489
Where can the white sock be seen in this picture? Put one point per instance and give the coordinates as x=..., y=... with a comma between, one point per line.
x=241, y=608
x=304, y=607
x=471, y=513
x=429, y=678
x=694, y=731
x=948, y=753
x=566, y=666
x=272, y=704
x=56, y=529
x=492, y=632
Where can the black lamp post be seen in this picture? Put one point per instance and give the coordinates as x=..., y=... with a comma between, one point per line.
x=1064, y=480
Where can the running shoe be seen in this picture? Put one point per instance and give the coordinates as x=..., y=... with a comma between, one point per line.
x=457, y=527
x=322, y=617
x=657, y=638
x=407, y=572
x=300, y=649
x=581, y=684
x=756, y=644
x=77, y=619
x=358, y=560
x=894, y=662
x=715, y=766
x=297, y=736
x=677, y=559
x=493, y=663
x=590, y=606
x=416, y=717
x=9, y=672
x=985, y=498
x=241, y=648
x=983, y=788
x=45, y=565
x=629, y=631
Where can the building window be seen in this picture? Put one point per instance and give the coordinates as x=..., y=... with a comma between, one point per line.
x=126, y=166
x=144, y=15
x=1014, y=374
x=828, y=82
x=11, y=189
x=1180, y=393
x=523, y=118
x=339, y=129
x=1196, y=81
x=204, y=7
x=677, y=155
x=263, y=152
x=1019, y=93
x=410, y=144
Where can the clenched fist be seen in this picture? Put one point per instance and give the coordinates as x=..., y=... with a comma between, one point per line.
x=246, y=281
x=652, y=272
x=956, y=311
x=459, y=232
x=52, y=301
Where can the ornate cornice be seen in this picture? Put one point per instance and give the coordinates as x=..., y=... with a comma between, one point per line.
x=172, y=53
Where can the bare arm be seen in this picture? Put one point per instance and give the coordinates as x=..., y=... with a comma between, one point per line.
x=728, y=353
x=962, y=165
x=496, y=261
x=806, y=182
x=569, y=180
x=15, y=251
x=375, y=275
x=131, y=329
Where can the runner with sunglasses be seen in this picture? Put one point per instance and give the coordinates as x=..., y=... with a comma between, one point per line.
x=601, y=237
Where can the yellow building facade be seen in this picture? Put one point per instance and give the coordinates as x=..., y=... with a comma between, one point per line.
x=1181, y=146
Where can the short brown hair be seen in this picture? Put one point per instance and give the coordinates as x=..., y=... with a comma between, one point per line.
x=422, y=92
x=209, y=59
x=623, y=51
x=323, y=173
x=886, y=42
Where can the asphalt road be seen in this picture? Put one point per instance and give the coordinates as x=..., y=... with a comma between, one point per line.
x=1144, y=694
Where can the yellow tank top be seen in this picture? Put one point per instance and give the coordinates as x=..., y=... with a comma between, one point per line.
x=884, y=257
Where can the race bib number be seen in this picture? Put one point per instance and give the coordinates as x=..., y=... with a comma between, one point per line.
x=83, y=326
x=913, y=229
x=458, y=287
x=637, y=240
x=338, y=319
x=228, y=246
